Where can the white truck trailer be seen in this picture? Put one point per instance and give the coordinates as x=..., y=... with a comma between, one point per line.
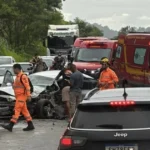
x=60, y=38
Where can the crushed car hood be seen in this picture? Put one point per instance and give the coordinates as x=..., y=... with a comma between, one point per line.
x=9, y=90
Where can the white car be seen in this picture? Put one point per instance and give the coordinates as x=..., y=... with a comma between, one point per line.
x=9, y=67
x=6, y=60
x=25, y=66
x=3, y=69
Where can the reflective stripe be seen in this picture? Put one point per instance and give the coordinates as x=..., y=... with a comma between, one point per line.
x=18, y=87
x=15, y=119
x=20, y=101
x=105, y=77
x=28, y=117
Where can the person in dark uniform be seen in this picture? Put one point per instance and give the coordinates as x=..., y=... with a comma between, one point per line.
x=66, y=73
x=59, y=62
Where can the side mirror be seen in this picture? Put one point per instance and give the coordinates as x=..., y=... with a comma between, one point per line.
x=71, y=58
x=48, y=88
x=8, y=84
x=68, y=57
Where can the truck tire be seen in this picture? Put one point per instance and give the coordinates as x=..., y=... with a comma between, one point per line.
x=42, y=108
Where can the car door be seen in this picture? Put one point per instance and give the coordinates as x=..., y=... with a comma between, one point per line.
x=136, y=65
x=8, y=79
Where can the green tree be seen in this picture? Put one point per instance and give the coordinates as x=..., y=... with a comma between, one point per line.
x=126, y=30
x=87, y=29
x=24, y=23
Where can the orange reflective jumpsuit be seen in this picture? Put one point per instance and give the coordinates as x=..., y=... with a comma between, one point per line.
x=22, y=91
x=109, y=77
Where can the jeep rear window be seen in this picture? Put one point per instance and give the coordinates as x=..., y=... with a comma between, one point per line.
x=89, y=117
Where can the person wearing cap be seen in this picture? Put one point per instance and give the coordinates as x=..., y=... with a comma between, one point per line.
x=59, y=61
x=108, y=77
x=40, y=66
x=35, y=59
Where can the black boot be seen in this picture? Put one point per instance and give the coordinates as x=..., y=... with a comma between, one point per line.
x=8, y=127
x=29, y=127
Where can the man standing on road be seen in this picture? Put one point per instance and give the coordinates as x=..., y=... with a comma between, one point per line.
x=108, y=77
x=76, y=84
x=66, y=73
x=22, y=92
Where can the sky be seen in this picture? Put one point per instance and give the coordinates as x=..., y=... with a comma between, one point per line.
x=113, y=13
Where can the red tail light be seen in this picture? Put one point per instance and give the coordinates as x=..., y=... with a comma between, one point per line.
x=66, y=141
x=122, y=103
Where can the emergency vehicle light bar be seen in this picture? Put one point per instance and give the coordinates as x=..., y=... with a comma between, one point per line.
x=140, y=32
x=122, y=103
x=96, y=44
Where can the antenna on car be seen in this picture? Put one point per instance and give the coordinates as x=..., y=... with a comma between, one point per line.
x=124, y=82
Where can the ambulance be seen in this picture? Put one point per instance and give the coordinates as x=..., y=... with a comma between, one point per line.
x=132, y=59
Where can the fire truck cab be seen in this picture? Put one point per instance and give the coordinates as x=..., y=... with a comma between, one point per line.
x=78, y=42
x=132, y=59
x=88, y=56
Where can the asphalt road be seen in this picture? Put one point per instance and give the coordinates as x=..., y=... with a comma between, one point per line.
x=45, y=137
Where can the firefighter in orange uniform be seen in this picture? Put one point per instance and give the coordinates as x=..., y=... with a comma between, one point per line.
x=108, y=77
x=22, y=94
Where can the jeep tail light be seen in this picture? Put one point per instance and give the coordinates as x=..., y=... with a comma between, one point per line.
x=68, y=141
x=122, y=103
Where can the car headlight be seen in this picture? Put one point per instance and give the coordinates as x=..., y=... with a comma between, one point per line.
x=85, y=70
x=93, y=71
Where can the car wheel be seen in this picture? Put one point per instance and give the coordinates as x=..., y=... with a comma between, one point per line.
x=44, y=109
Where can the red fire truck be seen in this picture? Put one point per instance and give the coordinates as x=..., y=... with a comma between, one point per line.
x=88, y=56
x=78, y=42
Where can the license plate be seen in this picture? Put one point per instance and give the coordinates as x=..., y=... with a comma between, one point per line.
x=121, y=147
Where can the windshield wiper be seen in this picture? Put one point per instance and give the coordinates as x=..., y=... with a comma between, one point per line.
x=110, y=126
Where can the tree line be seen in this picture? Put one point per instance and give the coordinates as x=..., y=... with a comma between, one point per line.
x=24, y=24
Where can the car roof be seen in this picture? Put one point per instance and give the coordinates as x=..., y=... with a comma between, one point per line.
x=6, y=56
x=7, y=65
x=47, y=56
x=136, y=94
x=26, y=63
x=53, y=74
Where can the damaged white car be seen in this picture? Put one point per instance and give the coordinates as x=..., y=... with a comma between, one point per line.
x=46, y=99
